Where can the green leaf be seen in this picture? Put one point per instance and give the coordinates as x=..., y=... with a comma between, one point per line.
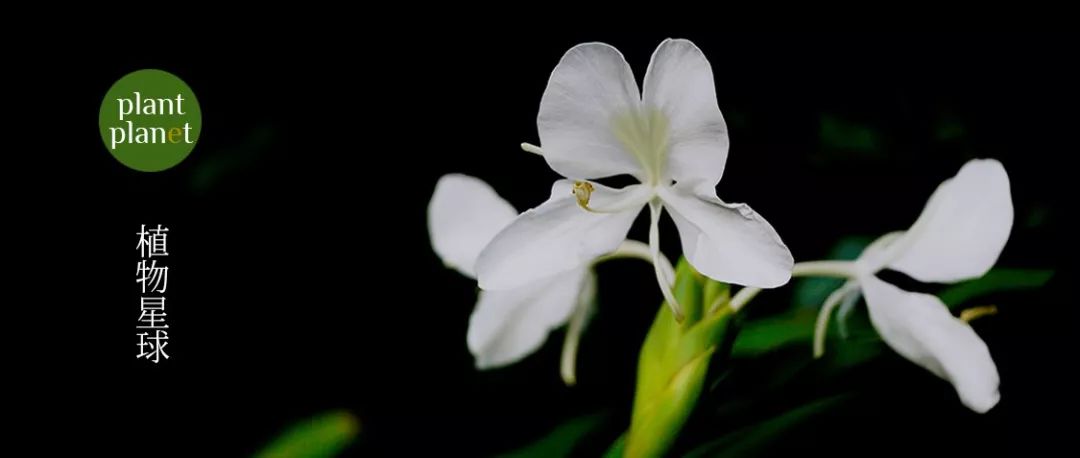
x=324, y=435
x=767, y=334
x=754, y=440
x=562, y=440
x=785, y=366
x=852, y=352
x=995, y=281
x=617, y=447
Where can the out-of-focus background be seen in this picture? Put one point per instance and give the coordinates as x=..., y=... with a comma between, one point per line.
x=302, y=280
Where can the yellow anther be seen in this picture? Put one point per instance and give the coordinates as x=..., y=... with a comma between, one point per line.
x=583, y=192
x=977, y=312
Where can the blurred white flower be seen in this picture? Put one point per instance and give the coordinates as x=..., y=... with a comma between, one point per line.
x=594, y=123
x=507, y=325
x=958, y=236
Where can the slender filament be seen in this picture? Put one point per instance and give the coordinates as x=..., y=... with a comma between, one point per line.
x=654, y=245
x=822, y=325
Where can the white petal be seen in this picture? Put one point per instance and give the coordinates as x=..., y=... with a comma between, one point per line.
x=877, y=254
x=590, y=89
x=727, y=242
x=679, y=83
x=919, y=327
x=963, y=228
x=558, y=236
x=463, y=216
x=509, y=325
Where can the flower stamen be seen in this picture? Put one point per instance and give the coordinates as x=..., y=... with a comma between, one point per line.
x=974, y=313
x=582, y=191
x=654, y=247
x=821, y=326
x=531, y=148
x=582, y=311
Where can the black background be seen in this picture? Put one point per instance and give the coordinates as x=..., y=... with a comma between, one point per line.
x=301, y=277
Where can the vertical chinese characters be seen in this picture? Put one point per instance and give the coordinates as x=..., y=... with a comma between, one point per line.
x=153, y=279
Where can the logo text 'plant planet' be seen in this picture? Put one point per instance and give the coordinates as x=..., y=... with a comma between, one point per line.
x=150, y=120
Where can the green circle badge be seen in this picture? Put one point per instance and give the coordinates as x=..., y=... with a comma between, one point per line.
x=150, y=120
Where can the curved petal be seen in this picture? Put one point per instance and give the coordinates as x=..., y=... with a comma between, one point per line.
x=963, y=228
x=919, y=327
x=558, y=236
x=464, y=215
x=679, y=85
x=878, y=253
x=588, y=92
x=728, y=242
x=508, y=325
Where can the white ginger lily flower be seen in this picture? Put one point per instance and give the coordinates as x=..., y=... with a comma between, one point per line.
x=671, y=137
x=958, y=236
x=507, y=325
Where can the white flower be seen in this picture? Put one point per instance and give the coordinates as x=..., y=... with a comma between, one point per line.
x=958, y=236
x=463, y=216
x=671, y=137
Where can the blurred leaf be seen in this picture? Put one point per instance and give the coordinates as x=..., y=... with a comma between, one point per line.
x=995, y=281
x=1037, y=216
x=839, y=134
x=324, y=435
x=766, y=334
x=754, y=440
x=949, y=128
x=218, y=164
x=842, y=354
x=562, y=440
x=617, y=447
x=794, y=363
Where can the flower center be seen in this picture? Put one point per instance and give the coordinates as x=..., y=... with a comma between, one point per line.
x=644, y=133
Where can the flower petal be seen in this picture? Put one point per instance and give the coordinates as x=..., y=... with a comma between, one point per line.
x=590, y=89
x=464, y=215
x=727, y=242
x=919, y=327
x=963, y=228
x=878, y=253
x=558, y=235
x=679, y=84
x=508, y=325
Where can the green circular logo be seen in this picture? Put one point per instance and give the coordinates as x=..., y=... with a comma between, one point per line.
x=150, y=120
